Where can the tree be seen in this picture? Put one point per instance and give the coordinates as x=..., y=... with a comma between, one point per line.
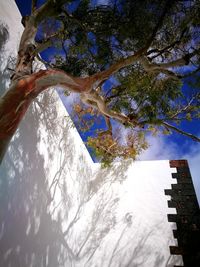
x=147, y=48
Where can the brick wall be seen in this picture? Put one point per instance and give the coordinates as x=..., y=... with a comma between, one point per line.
x=187, y=219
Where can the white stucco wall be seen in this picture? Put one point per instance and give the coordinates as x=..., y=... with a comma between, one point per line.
x=58, y=208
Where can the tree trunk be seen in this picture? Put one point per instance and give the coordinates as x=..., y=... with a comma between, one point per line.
x=13, y=106
x=15, y=102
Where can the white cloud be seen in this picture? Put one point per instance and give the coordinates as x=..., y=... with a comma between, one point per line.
x=160, y=148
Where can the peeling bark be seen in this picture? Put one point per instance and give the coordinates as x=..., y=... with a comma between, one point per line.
x=164, y=67
x=27, y=85
x=95, y=100
x=15, y=102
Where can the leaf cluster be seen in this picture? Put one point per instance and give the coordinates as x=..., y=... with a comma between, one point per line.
x=107, y=147
x=95, y=36
x=145, y=97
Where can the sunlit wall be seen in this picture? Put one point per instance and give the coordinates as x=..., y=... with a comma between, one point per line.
x=58, y=208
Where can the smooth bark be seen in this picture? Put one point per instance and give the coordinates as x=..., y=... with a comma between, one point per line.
x=15, y=102
x=27, y=85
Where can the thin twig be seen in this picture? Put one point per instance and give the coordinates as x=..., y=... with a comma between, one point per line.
x=169, y=126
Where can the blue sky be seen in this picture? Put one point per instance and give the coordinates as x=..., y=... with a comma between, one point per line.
x=174, y=146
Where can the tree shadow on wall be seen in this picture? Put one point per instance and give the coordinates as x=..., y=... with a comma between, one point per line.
x=4, y=35
x=4, y=73
x=29, y=236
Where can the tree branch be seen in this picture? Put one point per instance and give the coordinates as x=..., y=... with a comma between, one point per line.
x=167, y=7
x=186, y=107
x=169, y=126
x=50, y=8
x=69, y=16
x=166, y=48
x=33, y=6
x=100, y=77
x=163, y=67
x=45, y=63
x=108, y=123
x=190, y=73
x=95, y=100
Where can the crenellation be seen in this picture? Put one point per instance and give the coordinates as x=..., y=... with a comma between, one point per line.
x=187, y=218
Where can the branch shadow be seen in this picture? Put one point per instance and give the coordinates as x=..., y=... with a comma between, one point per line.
x=29, y=235
x=4, y=73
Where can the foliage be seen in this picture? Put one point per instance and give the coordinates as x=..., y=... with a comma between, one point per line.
x=107, y=148
x=128, y=59
x=84, y=117
x=144, y=96
x=94, y=36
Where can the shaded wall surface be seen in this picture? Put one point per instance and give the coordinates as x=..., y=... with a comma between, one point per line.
x=58, y=208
